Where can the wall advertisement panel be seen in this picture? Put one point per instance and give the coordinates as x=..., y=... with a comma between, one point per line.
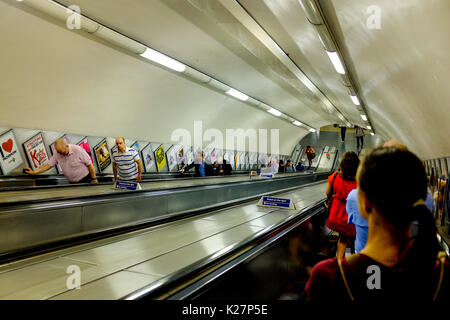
x=160, y=157
x=147, y=157
x=36, y=151
x=171, y=156
x=102, y=155
x=84, y=143
x=10, y=157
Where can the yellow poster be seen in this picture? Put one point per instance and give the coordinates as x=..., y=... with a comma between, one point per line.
x=160, y=158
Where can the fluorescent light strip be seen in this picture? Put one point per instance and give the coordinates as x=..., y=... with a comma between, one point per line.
x=371, y=133
x=275, y=112
x=297, y=123
x=237, y=94
x=369, y=127
x=164, y=60
x=336, y=62
x=312, y=130
x=364, y=117
x=355, y=100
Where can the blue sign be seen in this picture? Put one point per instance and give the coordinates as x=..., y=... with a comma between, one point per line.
x=276, y=202
x=127, y=185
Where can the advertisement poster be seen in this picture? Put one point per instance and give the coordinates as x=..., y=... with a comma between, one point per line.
x=172, y=158
x=189, y=153
x=160, y=158
x=103, y=155
x=135, y=146
x=36, y=151
x=148, y=158
x=85, y=145
x=237, y=160
x=53, y=151
x=229, y=157
x=242, y=160
x=10, y=157
x=182, y=157
x=247, y=161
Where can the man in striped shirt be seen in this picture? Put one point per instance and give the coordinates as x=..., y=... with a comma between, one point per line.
x=127, y=161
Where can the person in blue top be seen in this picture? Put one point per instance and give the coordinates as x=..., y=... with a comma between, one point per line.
x=202, y=168
x=354, y=217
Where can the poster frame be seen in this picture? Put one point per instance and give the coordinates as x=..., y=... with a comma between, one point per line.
x=90, y=152
x=99, y=165
x=30, y=161
x=148, y=169
x=2, y=169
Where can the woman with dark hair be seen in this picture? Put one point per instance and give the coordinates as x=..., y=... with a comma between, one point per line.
x=395, y=263
x=340, y=184
x=310, y=154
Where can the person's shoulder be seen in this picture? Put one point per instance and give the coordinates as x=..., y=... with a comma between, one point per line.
x=325, y=269
x=76, y=147
x=353, y=195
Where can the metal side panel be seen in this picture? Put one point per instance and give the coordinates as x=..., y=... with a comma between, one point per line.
x=25, y=228
x=44, y=280
x=112, y=287
x=114, y=214
x=183, y=257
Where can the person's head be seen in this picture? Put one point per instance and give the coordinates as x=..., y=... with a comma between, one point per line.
x=349, y=165
x=288, y=162
x=120, y=143
x=224, y=161
x=62, y=147
x=392, y=188
x=396, y=144
x=281, y=161
x=307, y=147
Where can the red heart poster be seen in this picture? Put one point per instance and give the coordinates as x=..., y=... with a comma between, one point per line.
x=10, y=157
x=8, y=145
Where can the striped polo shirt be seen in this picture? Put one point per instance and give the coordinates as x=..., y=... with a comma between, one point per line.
x=126, y=163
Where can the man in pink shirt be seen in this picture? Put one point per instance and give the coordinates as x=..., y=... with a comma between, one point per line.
x=74, y=162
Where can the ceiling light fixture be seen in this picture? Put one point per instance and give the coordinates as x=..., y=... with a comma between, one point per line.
x=336, y=62
x=355, y=99
x=364, y=117
x=312, y=130
x=275, y=112
x=162, y=59
x=297, y=123
x=237, y=94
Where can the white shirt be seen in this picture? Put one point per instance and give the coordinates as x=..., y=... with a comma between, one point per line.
x=126, y=163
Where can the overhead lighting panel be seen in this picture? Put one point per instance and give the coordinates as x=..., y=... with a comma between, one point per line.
x=275, y=112
x=312, y=130
x=297, y=123
x=355, y=100
x=162, y=59
x=237, y=94
x=336, y=62
x=364, y=117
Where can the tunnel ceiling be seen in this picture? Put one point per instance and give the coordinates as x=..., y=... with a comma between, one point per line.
x=65, y=80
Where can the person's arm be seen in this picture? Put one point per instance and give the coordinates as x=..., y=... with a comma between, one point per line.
x=327, y=192
x=44, y=168
x=115, y=171
x=93, y=174
x=139, y=163
x=187, y=168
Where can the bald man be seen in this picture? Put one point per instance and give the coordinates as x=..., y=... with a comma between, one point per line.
x=74, y=162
